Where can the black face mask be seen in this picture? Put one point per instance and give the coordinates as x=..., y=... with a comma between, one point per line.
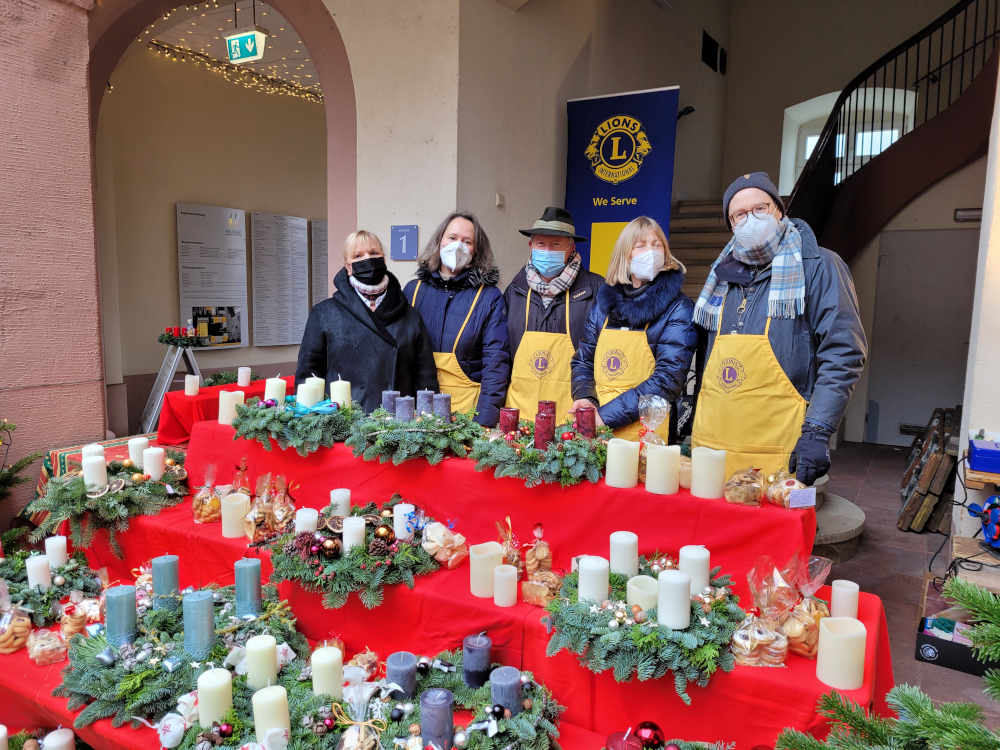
x=369, y=270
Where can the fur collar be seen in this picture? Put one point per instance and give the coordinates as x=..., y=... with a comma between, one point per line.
x=646, y=306
x=469, y=278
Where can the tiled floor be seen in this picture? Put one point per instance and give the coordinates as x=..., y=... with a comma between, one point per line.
x=891, y=564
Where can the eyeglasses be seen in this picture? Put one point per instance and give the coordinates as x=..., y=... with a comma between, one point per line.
x=760, y=211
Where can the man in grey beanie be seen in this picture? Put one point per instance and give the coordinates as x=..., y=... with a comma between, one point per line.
x=782, y=341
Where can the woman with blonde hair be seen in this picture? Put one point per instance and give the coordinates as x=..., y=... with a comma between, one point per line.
x=639, y=338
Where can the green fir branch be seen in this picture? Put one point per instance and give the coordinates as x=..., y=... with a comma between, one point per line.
x=379, y=436
x=43, y=605
x=306, y=433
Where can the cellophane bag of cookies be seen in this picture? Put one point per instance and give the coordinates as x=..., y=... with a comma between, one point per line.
x=745, y=487
x=653, y=412
x=207, y=502
x=780, y=486
x=759, y=640
x=801, y=626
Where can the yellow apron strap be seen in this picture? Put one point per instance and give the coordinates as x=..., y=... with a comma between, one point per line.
x=567, y=312
x=466, y=321
x=413, y=302
x=767, y=326
x=605, y=323
x=527, y=307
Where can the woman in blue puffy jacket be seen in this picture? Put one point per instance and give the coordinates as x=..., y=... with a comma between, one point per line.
x=639, y=338
x=456, y=294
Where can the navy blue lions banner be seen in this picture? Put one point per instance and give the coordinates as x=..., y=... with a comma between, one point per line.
x=619, y=165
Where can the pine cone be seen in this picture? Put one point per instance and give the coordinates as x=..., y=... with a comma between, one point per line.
x=378, y=547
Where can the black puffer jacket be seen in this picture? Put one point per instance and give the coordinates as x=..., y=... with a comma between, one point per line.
x=385, y=350
x=551, y=319
x=671, y=336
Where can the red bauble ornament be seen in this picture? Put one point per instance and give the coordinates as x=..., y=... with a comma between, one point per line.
x=568, y=435
x=328, y=722
x=672, y=746
x=226, y=730
x=650, y=734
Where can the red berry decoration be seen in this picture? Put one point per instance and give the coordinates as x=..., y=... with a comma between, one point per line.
x=650, y=734
x=568, y=435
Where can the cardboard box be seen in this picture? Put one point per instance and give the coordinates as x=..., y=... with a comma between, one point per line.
x=933, y=645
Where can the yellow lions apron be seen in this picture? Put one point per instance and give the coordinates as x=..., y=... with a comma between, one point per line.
x=451, y=377
x=623, y=360
x=747, y=405
x=541, y=370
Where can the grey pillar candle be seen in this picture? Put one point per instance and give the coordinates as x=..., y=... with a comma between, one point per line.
x=199, y=623
x=425, y=402
x=247, y=572
x=401, y=668
x=505, y=688
x=437, y=722
x=476, y=659
x=389, y=401
x=404, y=409
x=165, y=586
x=442, y=405
x=120, y=615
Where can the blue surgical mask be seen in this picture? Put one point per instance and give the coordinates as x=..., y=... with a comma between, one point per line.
x=549, y=263
x=755, y=232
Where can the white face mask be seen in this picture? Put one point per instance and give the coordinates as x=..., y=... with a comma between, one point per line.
x=755, y=232
x=646, y=264
x=455, y=256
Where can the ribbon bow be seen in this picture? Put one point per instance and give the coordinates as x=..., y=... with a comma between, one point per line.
x=340, y=716
x=322, y=407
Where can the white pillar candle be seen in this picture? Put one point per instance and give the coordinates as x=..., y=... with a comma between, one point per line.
x=663, y=465
x=354, y=533
x=305, y=395
x=136, y=446
x=844, y=601
x=234, y=508
x=39, y=573
x=274, y=390
x=306, y=519
x=340, y=501
x=505, y=585
x=708, y=472
x=328, y=672
x=60, y=739
x=641, y=590
x=3, y=737
x=400, y=518
x=95, y=473
x=192, y=383
x=270, y=711
x=624, y=553
x=228, y=401
x=314, y=392
x=622, y=468
x=55, y=551
x=695, y=560
x=262, y=661
x=340, y=391
x=673, y=602
x=92, y=449
x=215, y=696
x=242, y=376
x=154, y=462
x=483, y=558
x=840, y=659
x=594, y=584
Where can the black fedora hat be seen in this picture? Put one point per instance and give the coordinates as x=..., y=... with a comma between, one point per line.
x=555, y=222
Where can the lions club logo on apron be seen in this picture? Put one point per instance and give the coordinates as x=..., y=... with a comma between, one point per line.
x=731, y=374
x=540, y=363
x=617, y=148
x=614, y=363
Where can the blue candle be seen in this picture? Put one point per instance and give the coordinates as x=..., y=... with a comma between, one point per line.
x=442, y=405
x=425, y=402
x=165, y=584
x=120, y=615
x=437, y=723
x=389, y=401
x=476, y=659
x=401, y=668
x=505, y=688
x=404, y=409
x=199, y=623
x=247, y=572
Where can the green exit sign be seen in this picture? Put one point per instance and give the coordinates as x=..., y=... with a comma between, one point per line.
x=247, y=45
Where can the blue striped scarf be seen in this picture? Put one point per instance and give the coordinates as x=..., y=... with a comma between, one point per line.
x=787, y=295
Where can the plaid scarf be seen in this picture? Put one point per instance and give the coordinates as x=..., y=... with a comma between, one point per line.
x=787, y=295
x=548, y=290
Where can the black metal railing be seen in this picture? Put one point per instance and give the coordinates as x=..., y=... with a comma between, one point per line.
x=906, y=87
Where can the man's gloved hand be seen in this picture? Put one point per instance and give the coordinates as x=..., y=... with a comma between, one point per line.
x=811, y=458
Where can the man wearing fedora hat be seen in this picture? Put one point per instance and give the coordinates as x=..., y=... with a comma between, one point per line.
x=547, y=307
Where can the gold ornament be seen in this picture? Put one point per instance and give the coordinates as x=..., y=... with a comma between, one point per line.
x=331, y=548
x=386, y=513
x=385, y=533
x=128, y=463
x=170, y=462
x=138, y=477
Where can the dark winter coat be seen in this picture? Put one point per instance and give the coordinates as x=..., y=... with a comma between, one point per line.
x=671, y=336
x=822, y=352
x=385, y=350
x=483, y=353
x=551, y=319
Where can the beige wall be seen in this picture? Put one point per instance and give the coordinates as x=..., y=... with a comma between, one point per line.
x=172, y=132
x=519, y=68
x=783, y=52
x=932, y=210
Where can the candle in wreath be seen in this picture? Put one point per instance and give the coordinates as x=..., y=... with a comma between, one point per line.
x=305, y=395
x=695, y=560
x=247, y=574
x=389, y=401
x=340, y=501
x=476, y=659
x=505, y=688
x=274, y=390
x=401, y=519
x=594, y=579
x=55, y=550
x=3, y=737
x=586, y=421
x=165, y=581
x=95, y=473
x=242, y=376
x=641, y=590
x=39, y=572
x=136, y=446
x=545, y=429
x=199, y=623
x=262, y=661
x=120, y=614
x=60, y=739
x=673, y=604
x=340, y=392
x=437, y=724
x=546, y=407
x=354, y=533
x=425, y=402
x=317, y=389
x=92, y=449
x=306, y=519
x=228, y=401
x=328, y=672
x=401, y=668
x=405, y=406
x=442, y=405
x=625, y=553
x=215, y=696
x=270, y=710
x=192, y=384
x=154, y=462
x=509, y=418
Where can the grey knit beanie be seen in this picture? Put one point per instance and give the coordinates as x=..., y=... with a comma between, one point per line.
x=758, y=180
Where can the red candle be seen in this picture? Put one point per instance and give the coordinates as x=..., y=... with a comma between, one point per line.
x=545, y=430
x=167, y=330
x=547, y=407
x=177, y=330
x=586, y=421
x=623, y=741
x=509, y=417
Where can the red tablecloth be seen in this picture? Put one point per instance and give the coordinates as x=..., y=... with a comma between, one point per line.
x=179, y=412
